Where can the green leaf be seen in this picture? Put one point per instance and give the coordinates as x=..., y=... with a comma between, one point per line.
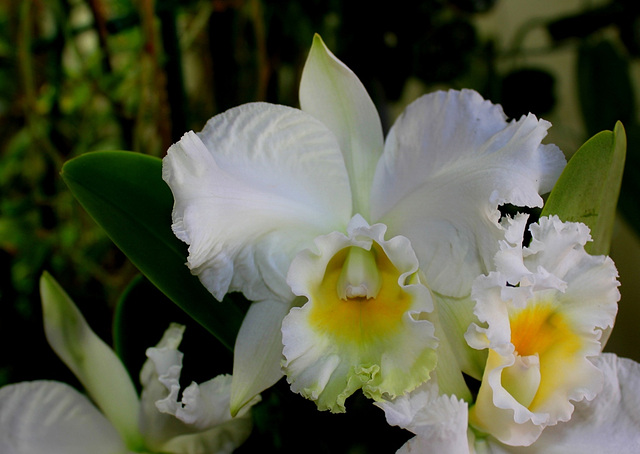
x=588, y=189
x=125, y=194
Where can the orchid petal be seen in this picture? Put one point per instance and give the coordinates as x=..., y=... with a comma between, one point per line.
x=438, y=420
x=205, y=408
x=332, y=93
x=201, y=420
x=449, y=161
x=255, y=186
x=592, y=286
x=51, y=417
x=160, y=379
x=258, y=352
x=608, y=424
x=91, y=360
x=454, y=317
x=451, y=346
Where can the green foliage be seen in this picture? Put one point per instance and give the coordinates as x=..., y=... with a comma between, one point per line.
x=588, y=189
x=125, y=195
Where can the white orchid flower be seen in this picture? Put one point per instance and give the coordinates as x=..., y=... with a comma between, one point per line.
x=546, y=387
x=313, y=208
x=545, y=309
x=52, y=417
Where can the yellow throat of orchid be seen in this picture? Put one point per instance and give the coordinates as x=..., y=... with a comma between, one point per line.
x=359, y=299
x=539, y=330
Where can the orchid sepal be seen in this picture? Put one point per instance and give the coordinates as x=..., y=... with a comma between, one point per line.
x=91, y=360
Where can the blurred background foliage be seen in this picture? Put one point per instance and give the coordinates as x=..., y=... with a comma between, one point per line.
x=85, y=75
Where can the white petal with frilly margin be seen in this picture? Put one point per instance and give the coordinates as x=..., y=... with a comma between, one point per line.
x=198, y=420
x=439, y=421
x=255, y=186
x=449, y=161
x=382, y=342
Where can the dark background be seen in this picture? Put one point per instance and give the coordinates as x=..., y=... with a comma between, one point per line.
x=84, y=75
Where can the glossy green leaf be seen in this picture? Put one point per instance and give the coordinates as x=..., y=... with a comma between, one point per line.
x=125, y=194
x=588, y=189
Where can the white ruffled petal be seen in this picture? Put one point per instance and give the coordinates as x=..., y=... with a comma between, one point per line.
x=510, y=255
x=332, y=93
x=450, y=160
x=255, y=186
x=205, y=410
x=364, y=325
x=608, y=424
x=196, y=420
x=439, y=421
x=160, y=379
x=53, y=418
x=556, y=246
x=591, y=290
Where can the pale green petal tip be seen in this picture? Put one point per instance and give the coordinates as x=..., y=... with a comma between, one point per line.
x=60, y=316
x=51, y=293
x=317, y=41
x=320, y=56
x=318, y=45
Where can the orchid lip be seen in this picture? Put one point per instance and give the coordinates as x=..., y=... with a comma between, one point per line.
x=359, y=328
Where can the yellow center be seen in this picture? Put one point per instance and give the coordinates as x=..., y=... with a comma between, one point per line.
x=540, y=330
x=359, y=299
